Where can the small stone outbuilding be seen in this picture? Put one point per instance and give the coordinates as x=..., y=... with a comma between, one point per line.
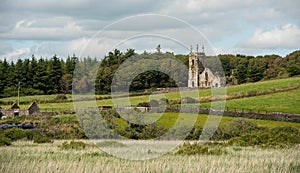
x=34, y=109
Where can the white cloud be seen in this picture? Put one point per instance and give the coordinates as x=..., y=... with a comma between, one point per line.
x=54, y=29
x=18, y=53
x=62, y=29
x=286, y=36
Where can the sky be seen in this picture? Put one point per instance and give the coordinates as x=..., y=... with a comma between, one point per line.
x=93, y=28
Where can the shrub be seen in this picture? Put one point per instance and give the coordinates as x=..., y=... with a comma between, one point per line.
x=239, y=126
x=195, y=133
x=41, y=139
x=137, y=131
x=4, y=141
x=286, y=135
x=16, y=133
x=221, y=133
x=163, y=101
x=61, y=97
x=276, y=137
x=174, y=102
x=110, y=144
x=197, y=148
x=143, y=104
x=189, y=100
x=73, y=145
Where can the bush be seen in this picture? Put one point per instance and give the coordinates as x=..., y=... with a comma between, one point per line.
x=16, y=134
x=174, y=102
x=4, y=141
x=73, y=145
x=276, y=137
x=189, y=100
x=41, y=139
x=240, y=126
x=197, y=148
x=110, y=144
x=143, y=104
x=61, y=97
x=163, y=101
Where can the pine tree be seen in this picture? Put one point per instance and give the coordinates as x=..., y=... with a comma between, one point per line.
x=54, y=75
x=41, y=76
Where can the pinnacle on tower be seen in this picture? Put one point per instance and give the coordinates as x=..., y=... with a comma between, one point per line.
x=197, y=48
x=191, y=48
x=202, y=48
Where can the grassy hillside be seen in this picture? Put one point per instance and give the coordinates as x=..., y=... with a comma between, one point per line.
x=39, y=98
x=168, y=119
x=278, y=102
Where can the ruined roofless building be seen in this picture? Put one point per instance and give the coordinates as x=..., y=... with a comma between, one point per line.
x=33, y=109
x=204, y=79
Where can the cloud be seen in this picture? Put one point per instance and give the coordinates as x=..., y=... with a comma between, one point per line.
x=286, y=36
x=18, y=53
x=61, y=27
x=80, y=9
x=57, y=28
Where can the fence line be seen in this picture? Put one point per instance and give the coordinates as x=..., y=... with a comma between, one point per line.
x=241, y=112
x=228, y=111
x=235, y=112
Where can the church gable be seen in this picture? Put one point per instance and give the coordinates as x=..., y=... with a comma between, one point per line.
x=206, y=79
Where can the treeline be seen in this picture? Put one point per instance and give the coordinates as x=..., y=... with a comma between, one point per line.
x=145, y=80
x=240, y=69
x=38, y=76
x=55, y=75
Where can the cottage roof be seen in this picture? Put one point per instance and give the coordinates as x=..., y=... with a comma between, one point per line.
x=15, y=106
x=33, y=105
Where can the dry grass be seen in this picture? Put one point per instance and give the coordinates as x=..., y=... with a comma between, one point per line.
x=29, y=157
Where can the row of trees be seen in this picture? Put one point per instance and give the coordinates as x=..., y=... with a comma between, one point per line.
x=55, y=75
x=241, y=69
x=36, y=76
x=238, y=69
x=145, y=80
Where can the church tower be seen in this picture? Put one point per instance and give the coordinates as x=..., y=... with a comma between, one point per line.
x=194, y=58
x=193, y=69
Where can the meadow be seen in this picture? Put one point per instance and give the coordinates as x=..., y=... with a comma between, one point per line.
x=168, y=119
x=289, y=104
x=287, y=101
x=25, y=156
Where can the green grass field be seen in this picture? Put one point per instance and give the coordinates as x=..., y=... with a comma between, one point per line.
x=168, y=119
x=26, y=156
x=277, y=102
x=288, y=101
x=38, y=98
